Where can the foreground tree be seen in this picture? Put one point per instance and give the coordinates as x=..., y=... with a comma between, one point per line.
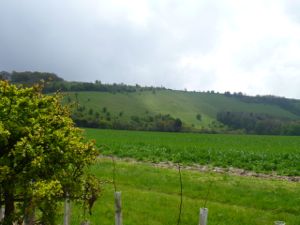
x=43, y=156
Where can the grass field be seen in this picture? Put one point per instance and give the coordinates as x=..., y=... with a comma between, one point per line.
x=150, y=196
x=267, y=154
x=179, y=104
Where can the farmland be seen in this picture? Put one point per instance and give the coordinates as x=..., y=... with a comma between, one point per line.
x=267, y=154
x=150, y=196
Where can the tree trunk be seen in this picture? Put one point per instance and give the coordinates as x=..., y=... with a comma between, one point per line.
x=9, y=206
x=29, y=214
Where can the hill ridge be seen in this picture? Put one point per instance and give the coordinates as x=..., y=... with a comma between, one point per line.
x=121, y=106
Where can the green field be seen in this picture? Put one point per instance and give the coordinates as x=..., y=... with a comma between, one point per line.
x=179, y=104
x=150, y=196
x=267, y=154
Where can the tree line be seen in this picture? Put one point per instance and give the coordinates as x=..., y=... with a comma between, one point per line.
x=29, y=77
x=284, y=103
x=258, y=123
x=53, y=83
x=106, y=120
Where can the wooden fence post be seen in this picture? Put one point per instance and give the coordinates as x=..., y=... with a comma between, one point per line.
x=29, y=217
x=85, y=223
x=2, y=213
x=279, y=223
x=203, y=216
x=118, y=209
x=67, y=211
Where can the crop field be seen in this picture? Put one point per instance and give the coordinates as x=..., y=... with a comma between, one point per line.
x=150, y=196
x=267, y=154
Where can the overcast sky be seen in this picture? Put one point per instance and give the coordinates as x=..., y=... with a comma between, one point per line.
x=252, y=46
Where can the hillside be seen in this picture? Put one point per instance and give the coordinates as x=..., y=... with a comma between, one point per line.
x=133, y=107
x=178, y=104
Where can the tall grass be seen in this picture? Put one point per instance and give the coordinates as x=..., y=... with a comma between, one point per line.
x=151, y=196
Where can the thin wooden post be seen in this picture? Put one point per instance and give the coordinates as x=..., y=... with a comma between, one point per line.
x=279, y=223
x=29, y=217
x=118, y=209
x=29, y=213
x=203, y=216
x=180, y=206
x=2, y=213
x=67, y=211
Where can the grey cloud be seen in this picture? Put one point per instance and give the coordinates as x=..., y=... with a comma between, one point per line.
x=56, y=36
x=86, y=41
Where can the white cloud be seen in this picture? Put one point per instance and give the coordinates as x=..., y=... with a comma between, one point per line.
x=257, y=51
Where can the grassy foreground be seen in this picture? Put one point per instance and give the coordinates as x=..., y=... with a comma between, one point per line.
x=150, y=196
x=267, y=154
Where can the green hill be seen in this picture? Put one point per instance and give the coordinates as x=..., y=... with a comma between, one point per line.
x=121, y=106
x=179, y=104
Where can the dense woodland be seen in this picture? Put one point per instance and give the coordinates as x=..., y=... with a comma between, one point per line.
x=253, y=123
x=236, y=122
x=53, y=83
x=158, y=122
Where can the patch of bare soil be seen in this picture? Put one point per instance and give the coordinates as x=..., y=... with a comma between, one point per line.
x=207, y=168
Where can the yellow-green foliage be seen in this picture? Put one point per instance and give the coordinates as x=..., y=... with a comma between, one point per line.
x=43, y=155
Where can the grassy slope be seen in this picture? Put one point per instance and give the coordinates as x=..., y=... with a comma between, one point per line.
x=150, y=197
x=184, y=105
